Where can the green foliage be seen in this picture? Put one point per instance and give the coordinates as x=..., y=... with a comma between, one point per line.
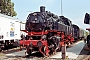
x=7, y=8
x=87, y=33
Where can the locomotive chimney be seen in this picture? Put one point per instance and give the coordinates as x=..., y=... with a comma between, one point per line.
x=42, y=9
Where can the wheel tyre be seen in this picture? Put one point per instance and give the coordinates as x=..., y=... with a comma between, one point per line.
x=29, y=53
x=0, y=49
x=45, y=50
x=69, y=44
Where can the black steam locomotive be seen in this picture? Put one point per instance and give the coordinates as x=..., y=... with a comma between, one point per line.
x=44, y=20
x=47, y=32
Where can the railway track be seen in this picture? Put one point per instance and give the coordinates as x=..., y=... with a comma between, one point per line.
x=15, y=53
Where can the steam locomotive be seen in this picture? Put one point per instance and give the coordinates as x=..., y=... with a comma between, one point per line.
x=87, y=21
x=47, y=32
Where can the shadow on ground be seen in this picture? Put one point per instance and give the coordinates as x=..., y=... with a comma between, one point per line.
x=85, y=51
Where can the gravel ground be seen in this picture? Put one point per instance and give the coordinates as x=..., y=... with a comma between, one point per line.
x=84, y=55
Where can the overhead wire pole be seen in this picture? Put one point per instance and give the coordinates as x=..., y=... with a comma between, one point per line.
x=64, y=45
x=61, y=9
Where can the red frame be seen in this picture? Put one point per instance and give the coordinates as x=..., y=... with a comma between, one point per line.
x=64, y=39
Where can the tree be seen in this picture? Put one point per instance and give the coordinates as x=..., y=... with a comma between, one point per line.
x=7, y=8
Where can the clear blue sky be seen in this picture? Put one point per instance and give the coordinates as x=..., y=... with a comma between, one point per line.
x=72, y=9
